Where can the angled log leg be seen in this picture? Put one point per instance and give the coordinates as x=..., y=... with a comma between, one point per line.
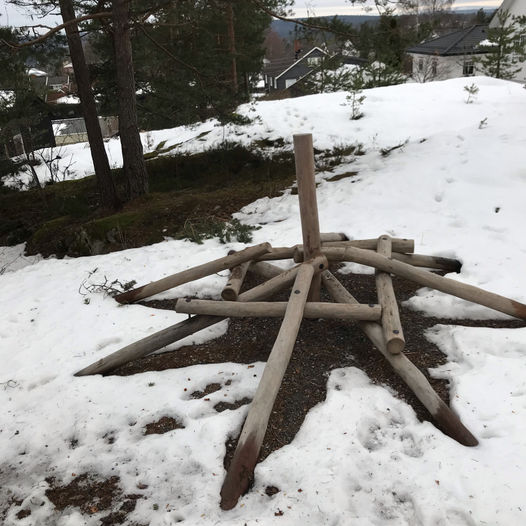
x=393, y=332
x=185, y=328
x=247, y=451
x=416, y=381
x=434, y=281
x=193, y=273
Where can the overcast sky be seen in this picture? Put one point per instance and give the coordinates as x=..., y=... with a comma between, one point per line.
x=340, y=7
x=15, y=16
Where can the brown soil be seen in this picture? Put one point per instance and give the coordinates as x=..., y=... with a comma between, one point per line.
x=163, y=425
x=92, y=495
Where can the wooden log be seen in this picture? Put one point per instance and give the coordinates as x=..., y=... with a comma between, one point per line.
x=334, y=253
x=417, y=260
x=264, y=270
x=313, y=309
x=288, y=252
x=332, y=236
x=245, y=457
x=193, y=273
x=185, y=328
x=446, y=419
x=310, y=226
x=278, y=253
x=391, y=325
x=398, y=244
x=231, y=290
x=434, y=281
x=434, y=262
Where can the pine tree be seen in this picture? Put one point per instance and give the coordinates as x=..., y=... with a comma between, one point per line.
x=506, y=48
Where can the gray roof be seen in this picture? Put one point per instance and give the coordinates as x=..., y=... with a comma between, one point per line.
x=456, y=43
x=279, y=66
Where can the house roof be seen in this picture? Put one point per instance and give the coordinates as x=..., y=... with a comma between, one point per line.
x=456, y=43
x=278, y=67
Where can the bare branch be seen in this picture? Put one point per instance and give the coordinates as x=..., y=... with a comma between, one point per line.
x=45, y=36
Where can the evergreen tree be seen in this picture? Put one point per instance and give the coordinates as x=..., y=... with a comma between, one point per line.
x=506, y=47
x=184, y=60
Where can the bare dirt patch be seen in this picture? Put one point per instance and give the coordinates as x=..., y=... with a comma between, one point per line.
x=93, y=495
x=163, y=425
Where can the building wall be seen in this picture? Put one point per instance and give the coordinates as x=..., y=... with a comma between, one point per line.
x=427, y=68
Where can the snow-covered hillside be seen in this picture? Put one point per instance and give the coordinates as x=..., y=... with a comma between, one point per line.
x=456, y=185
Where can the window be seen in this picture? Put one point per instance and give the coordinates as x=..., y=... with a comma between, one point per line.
x=420, y=64
x=468, y=69
x=313, y=61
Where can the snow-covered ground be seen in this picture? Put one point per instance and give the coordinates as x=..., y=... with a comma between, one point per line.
x=361, y=457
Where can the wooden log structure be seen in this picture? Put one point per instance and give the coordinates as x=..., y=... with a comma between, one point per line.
x=241, y=469
x=191, y=274
x=276, y=309
x=310, y=226
x=447, y=420
x=391, y=325
x=434, y=281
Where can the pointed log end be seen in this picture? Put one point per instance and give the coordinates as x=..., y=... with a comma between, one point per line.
x=453, y=427
x=240, y=473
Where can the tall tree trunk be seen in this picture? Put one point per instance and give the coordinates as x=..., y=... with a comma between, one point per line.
x=232, y=46
x=105, y=183
x=132, y=153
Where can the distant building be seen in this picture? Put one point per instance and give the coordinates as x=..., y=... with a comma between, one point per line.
x=282, y=73
x=449, y=56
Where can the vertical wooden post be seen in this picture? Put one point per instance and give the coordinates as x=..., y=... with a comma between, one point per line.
x=310, y=227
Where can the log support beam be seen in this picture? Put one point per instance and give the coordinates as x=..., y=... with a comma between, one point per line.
x=276, y=309
x=391, y=325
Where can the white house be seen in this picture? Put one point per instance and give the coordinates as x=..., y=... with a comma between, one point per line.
x=448, y=56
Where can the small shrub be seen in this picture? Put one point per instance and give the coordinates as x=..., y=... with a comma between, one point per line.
x=211, y=227
x=472, y=91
